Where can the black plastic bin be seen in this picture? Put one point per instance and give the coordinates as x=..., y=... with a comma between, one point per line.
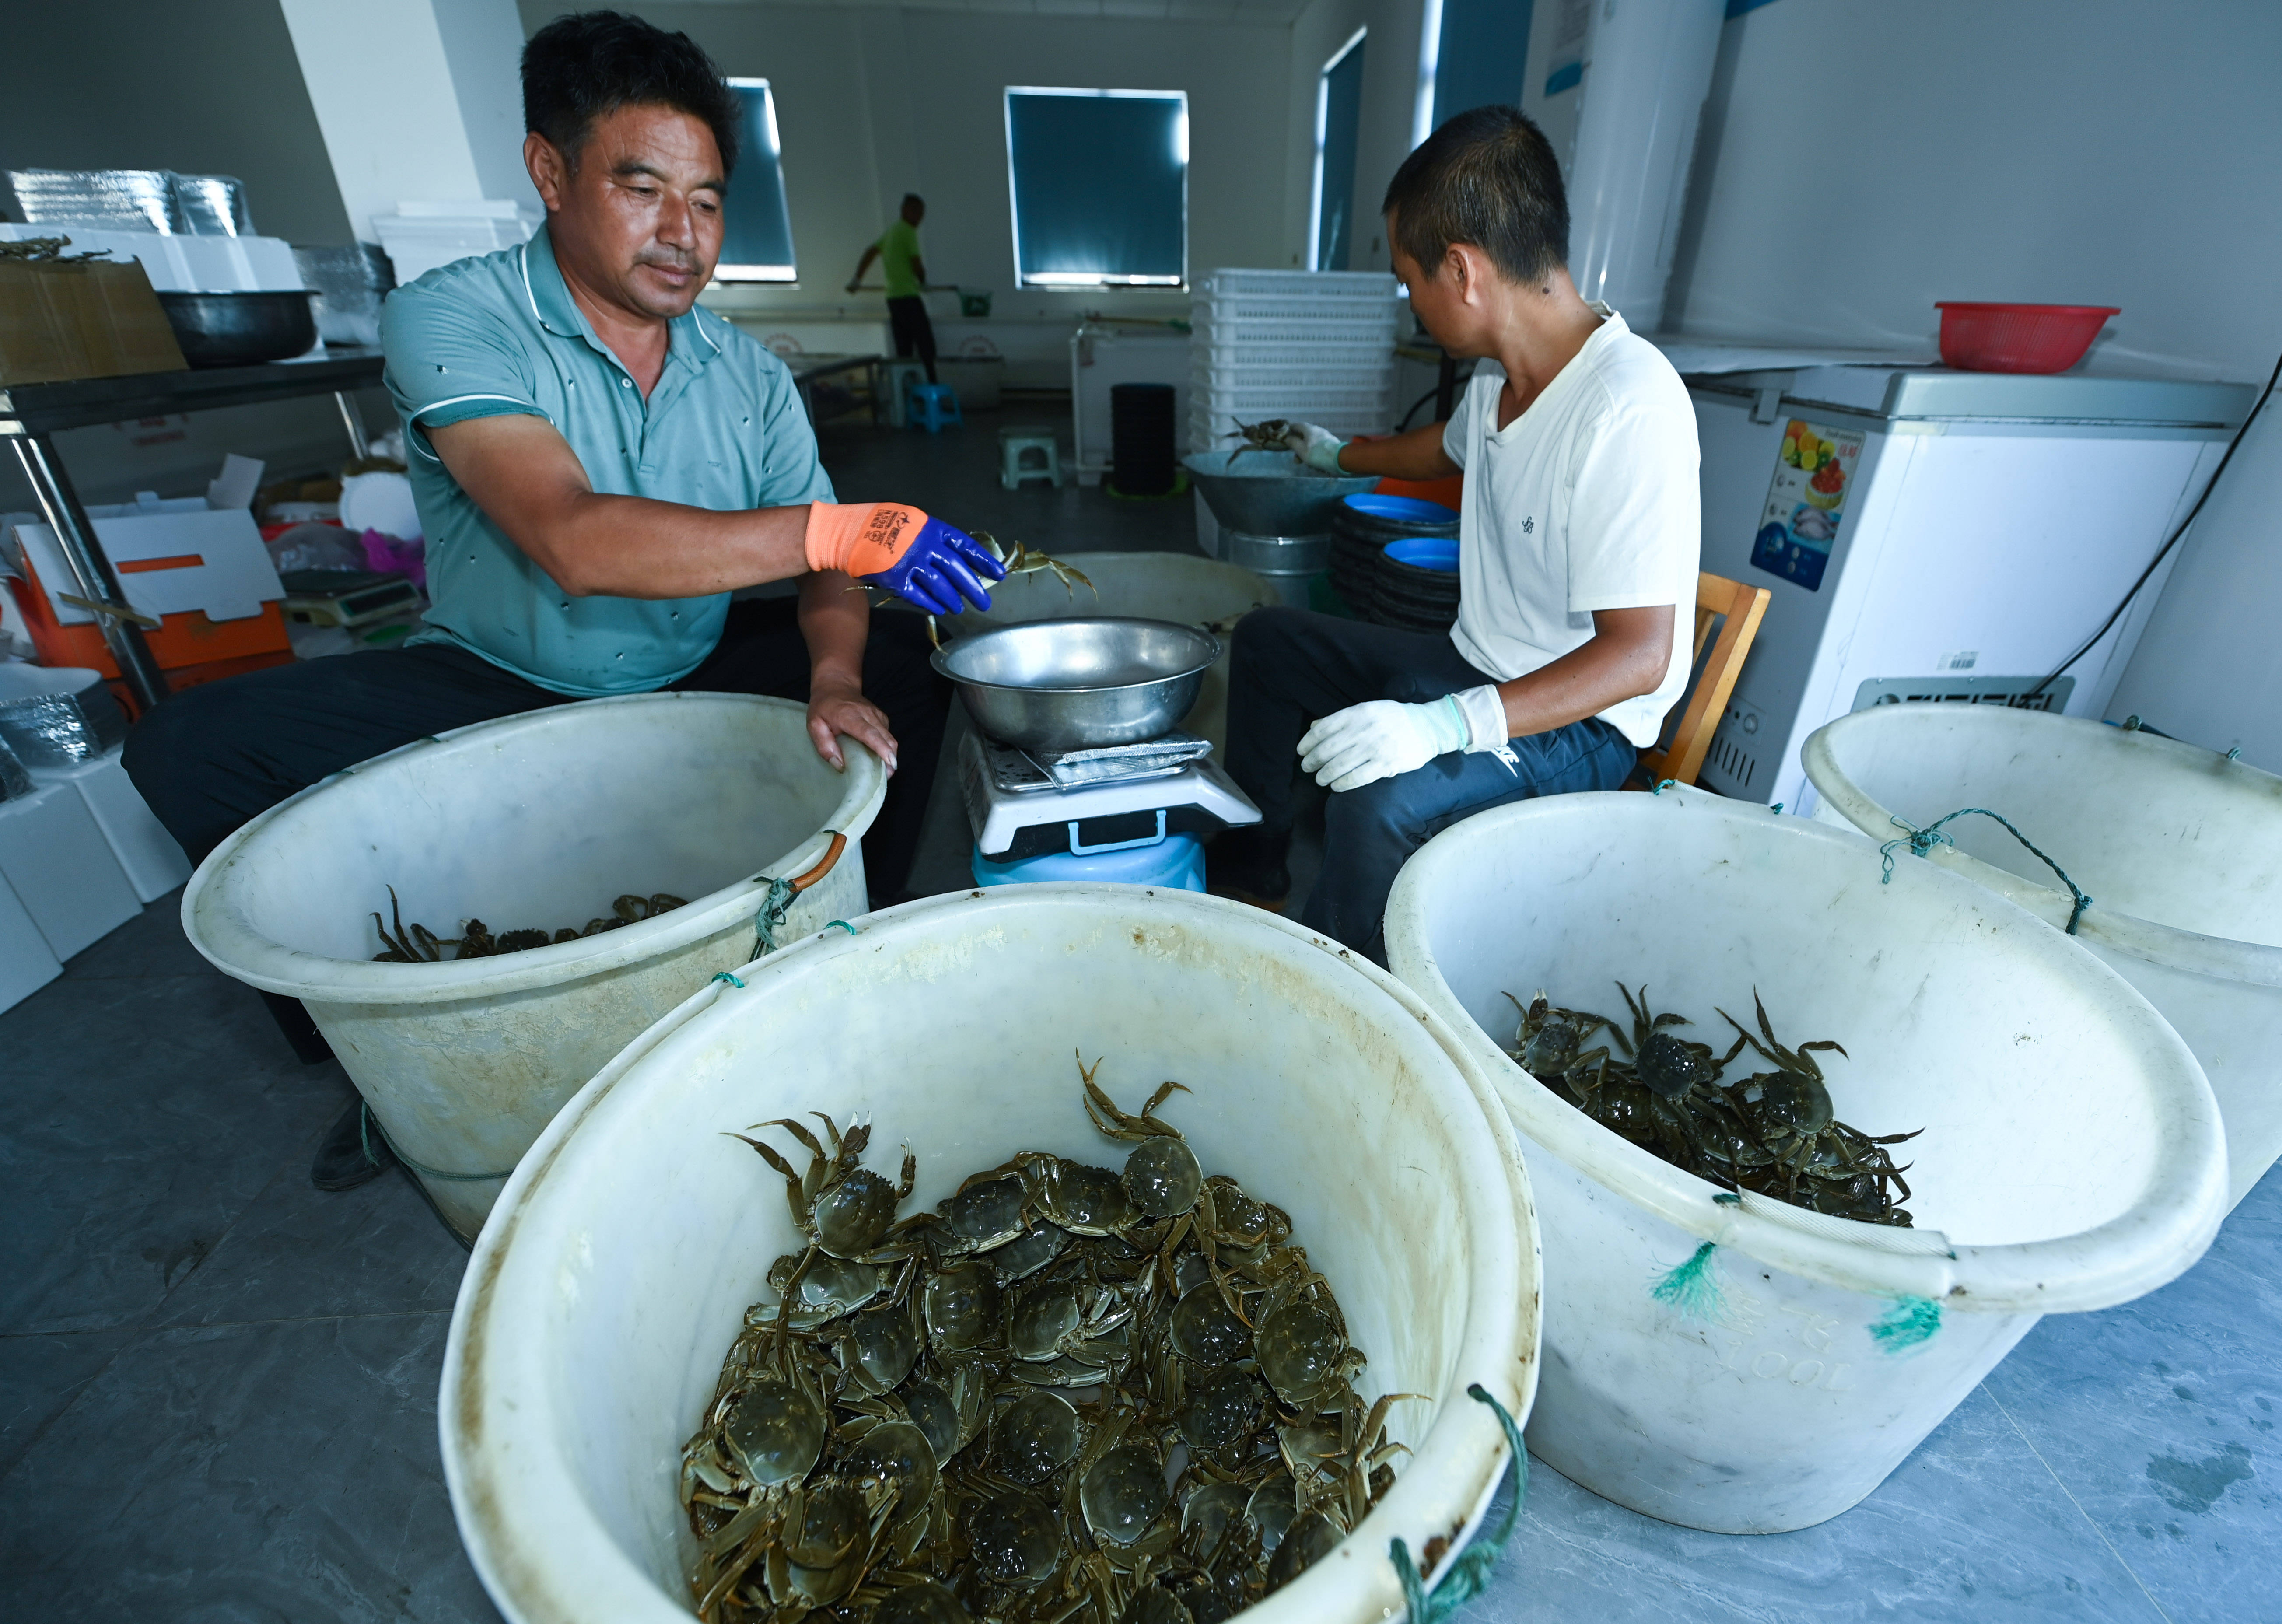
x=1142, y=458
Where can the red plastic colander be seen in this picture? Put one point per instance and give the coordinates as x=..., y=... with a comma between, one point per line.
x=2018, y=337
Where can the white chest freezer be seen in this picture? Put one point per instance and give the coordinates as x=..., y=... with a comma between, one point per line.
x=1935, y=535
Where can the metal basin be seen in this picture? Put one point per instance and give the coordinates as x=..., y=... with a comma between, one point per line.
x=1271, y=493
x=240, y=329
x=1079, y=683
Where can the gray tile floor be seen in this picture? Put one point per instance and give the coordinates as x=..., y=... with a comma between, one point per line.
x=217, y=1386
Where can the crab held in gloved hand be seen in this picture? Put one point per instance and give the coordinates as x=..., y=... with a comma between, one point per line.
x=896, y=547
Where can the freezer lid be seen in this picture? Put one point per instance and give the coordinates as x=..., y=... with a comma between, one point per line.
x=1938, y=393
x=1943, y=395
x=2069, y=396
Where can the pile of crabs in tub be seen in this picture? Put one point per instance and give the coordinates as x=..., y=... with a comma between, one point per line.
x=1104, y=1253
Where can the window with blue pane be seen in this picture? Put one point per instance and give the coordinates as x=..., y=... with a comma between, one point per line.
x=1338, y=121
x=1474, y=52
x=1099, y=184
x=757, y=227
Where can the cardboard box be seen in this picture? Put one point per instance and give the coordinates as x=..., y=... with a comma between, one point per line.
x=197, y=564
x=62, y=321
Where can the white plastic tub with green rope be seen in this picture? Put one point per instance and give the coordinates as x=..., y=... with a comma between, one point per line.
x=2178, y=850
x=537, y=820
x=1741, y=1365
x=592, y=1319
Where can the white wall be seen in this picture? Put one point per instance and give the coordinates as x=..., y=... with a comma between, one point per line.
x=1390, y=91
x=876, y=101
x=207, y=89
x=1861, y=160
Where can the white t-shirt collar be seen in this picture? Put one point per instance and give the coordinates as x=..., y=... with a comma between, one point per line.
x=1611, y=326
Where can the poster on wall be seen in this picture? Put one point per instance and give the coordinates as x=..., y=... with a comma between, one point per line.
x=1806, y=501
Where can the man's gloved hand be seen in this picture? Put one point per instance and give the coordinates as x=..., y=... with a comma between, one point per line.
x=888, y=544
x=1318, y=448
x=1383, y=738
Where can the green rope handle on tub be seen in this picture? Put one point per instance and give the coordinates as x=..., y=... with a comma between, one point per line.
x=732, y=981
x=1469, y=1573
x=1922, y=841
x=770, y=919
x=368, y=1125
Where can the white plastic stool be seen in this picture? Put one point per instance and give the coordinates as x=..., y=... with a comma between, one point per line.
x=1028, y=453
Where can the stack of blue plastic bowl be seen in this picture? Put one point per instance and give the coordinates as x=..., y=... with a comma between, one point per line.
x=1394, y=561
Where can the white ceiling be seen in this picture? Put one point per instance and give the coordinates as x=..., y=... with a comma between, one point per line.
x=1274, y=11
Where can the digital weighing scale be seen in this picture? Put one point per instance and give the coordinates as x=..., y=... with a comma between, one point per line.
x=1122, y=798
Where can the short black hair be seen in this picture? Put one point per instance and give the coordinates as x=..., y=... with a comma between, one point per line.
x=583, y=67
x=1487, y=178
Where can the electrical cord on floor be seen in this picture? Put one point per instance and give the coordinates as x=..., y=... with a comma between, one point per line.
x=2163, y=551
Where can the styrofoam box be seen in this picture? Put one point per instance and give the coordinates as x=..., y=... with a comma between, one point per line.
x=55, y=857
x=26, y=963
x=178, y=264
x=149, y=858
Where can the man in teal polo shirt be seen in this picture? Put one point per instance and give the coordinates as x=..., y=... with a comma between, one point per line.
x=598, y=464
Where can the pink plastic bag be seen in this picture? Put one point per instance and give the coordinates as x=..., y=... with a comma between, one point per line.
x=409, y=559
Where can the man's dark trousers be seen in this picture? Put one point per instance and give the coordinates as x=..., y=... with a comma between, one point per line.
x=213, y=756
x=1290, y=667
x=908, y=324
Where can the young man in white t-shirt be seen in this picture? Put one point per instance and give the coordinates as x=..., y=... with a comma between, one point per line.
x=1577, y=554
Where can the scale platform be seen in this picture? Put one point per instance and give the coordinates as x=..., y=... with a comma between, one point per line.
x=1018, y=808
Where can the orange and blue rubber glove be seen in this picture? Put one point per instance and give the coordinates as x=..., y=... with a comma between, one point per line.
x=891, y=545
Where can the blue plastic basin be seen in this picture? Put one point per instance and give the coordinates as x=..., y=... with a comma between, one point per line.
x=1403, y=509
x=1425, y=553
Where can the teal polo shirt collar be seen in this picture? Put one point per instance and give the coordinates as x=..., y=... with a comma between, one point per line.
x=724, y=430
x=688, y=346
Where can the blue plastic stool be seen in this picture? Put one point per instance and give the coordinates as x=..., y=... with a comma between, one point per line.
x=930, y=405
x=1174, y=862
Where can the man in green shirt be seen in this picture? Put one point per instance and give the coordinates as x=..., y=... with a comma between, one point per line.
x=597, y=464
x=898, y=253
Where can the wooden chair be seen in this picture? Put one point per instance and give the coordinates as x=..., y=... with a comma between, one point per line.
x=1737, y=608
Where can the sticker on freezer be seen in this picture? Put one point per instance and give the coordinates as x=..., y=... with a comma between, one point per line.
x=1805, y=502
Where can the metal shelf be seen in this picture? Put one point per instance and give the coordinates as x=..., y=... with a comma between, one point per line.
x=47, y=409
x=29, y=413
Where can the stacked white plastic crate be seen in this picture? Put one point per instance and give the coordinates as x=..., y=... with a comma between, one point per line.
x=1317, y=346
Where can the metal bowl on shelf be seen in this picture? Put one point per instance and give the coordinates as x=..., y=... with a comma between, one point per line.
x=240, y=329
x=1079, y=683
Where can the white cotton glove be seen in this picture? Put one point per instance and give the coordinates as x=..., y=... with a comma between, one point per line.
x=1383, y=738
x=1318, y=448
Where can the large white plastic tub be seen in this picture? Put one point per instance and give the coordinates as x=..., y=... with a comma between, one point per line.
x=1177, y=587
x=534, y=820
x=593, y=1320
x=2072, y=1156
x=2179, y=849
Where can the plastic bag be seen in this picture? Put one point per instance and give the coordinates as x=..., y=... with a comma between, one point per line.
x=316, y=546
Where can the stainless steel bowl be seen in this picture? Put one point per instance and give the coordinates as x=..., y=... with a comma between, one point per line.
x=1081, y=682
